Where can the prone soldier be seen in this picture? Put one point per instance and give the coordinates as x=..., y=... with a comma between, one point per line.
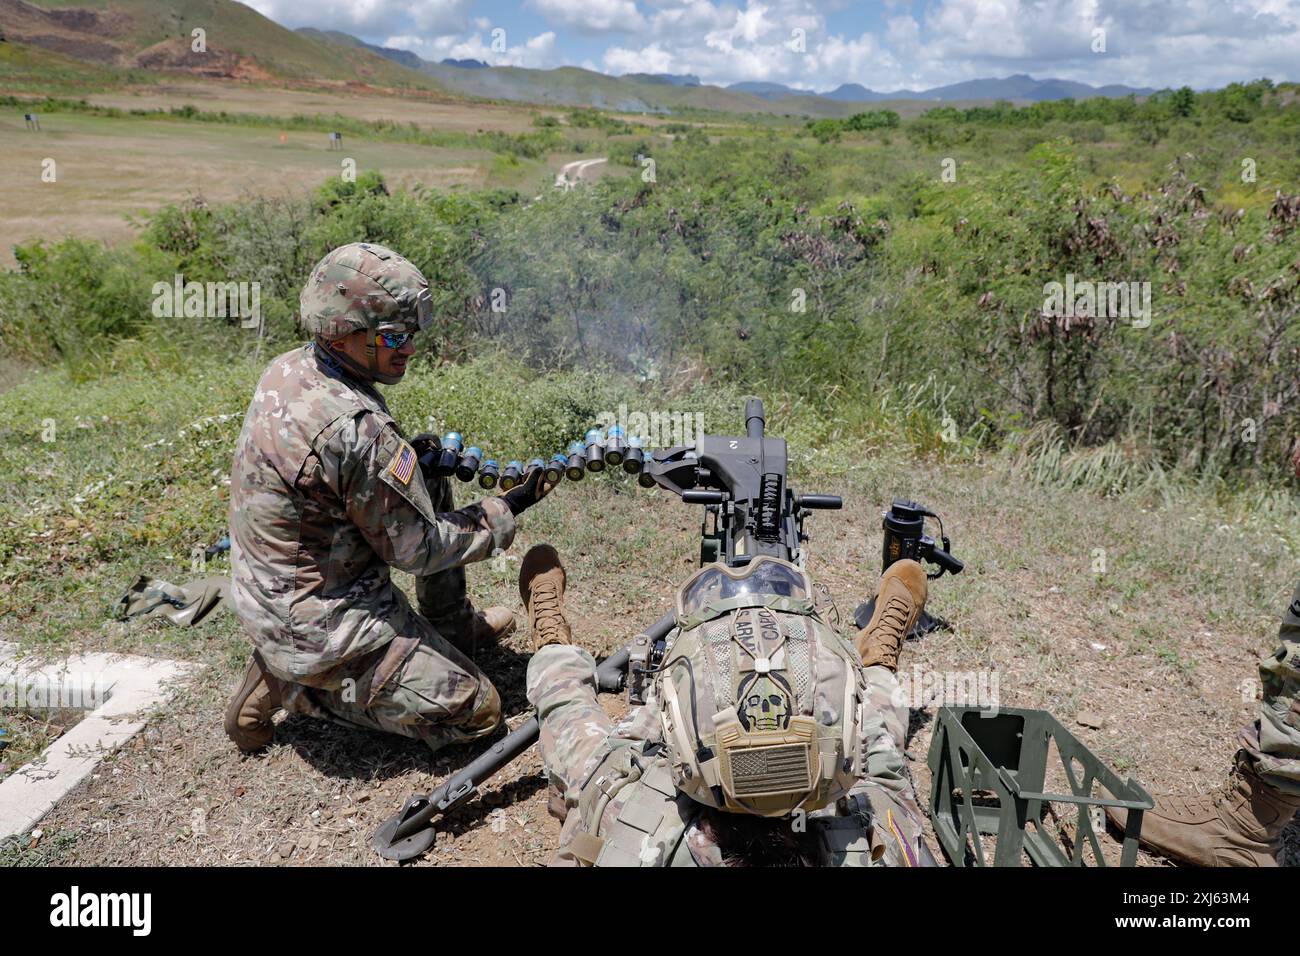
x=767, y=738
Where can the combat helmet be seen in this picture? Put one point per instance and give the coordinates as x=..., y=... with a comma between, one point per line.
x=363, y=285
x=761, y=701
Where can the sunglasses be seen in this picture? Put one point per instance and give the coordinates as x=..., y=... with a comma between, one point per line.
x=393, y=340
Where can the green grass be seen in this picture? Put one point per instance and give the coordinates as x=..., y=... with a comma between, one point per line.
x=135, y=477
x=28, y=68
x=14, y=851
x=528, y=145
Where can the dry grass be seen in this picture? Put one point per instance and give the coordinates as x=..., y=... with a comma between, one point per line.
x=111, y=169
x=464, y=116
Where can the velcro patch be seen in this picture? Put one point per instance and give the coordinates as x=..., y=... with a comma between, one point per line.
x=402, y=467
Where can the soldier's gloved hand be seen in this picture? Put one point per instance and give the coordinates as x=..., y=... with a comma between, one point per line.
x=427, y=449
x=528, y=492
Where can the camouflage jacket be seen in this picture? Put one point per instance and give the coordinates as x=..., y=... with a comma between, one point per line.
x=325, y=497
x=612, y=787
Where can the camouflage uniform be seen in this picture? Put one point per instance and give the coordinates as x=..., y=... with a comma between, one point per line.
x=326, y=496
x=587, y=754
x=1273, y=742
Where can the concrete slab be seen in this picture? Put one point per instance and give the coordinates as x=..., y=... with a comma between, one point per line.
x=122, y=692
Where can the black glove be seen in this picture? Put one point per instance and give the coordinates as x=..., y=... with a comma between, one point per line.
x=427, y=449
x=528, y=492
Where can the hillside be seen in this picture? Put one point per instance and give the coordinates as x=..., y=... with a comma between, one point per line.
x=26, y=67
x=156, y=36
x=566, y=86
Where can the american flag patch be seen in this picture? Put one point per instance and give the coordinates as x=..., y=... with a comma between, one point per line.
x=403, y=464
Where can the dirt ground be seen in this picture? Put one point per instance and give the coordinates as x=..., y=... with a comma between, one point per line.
x=1151, y=651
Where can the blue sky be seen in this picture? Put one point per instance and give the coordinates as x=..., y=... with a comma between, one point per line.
x=886, y=45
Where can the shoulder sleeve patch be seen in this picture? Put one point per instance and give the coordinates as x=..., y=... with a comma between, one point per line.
x=402, y=464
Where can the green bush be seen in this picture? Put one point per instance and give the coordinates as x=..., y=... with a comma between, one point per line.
x=74, y=301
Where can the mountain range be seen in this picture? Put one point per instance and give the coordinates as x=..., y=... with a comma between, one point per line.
x=155, y=36
x=572, y=86
x=1018, y=87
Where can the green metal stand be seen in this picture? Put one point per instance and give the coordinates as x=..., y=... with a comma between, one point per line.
x=988, y=769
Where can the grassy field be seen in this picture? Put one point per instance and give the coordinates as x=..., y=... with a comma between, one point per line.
x=464, y=115
x=1162, y=645
x=114, y=171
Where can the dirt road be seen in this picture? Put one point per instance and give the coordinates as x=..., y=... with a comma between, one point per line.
x=572, y=173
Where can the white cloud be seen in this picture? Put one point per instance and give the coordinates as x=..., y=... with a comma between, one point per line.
x=368, y=17
x=592, y=16
x=724, y=43
x=650, y=59
x=538, y=52
x=689, y=17
x=903, y=33
x=1150, y=42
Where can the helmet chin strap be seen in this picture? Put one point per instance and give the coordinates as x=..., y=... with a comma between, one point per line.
x=372, y=354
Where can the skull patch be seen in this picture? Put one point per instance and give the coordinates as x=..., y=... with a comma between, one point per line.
x=763, y=702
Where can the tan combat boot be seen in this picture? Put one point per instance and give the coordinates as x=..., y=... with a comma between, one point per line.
x=541, y=586
x=492, y=624
x=249, y=713
x=1236, y=825
x=899, y=603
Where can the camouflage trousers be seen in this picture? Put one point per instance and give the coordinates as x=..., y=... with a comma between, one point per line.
x=577, y=735
x=443, y=597
x=423, y=684
x=1273, y=742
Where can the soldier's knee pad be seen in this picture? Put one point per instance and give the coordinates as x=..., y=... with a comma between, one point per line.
x=484, y=715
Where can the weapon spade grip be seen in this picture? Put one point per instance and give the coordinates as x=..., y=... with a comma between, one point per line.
x=824, y=502
x=696, y=497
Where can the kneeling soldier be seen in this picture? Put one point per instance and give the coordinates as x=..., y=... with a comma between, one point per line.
x=326, y=497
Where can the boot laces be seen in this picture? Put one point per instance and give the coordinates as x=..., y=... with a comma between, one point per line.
x=894, y=616
x=548, y=616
